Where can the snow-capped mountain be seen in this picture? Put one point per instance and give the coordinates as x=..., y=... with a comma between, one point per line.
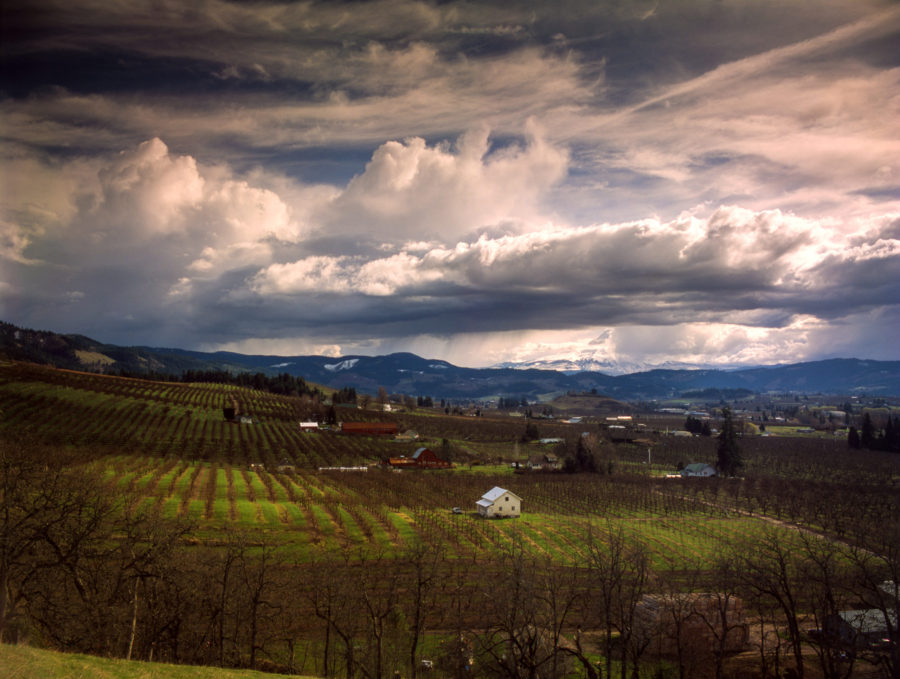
x=571, y=366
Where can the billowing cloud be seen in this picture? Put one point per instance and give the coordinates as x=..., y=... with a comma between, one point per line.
x=734, y=259
x=411, y=190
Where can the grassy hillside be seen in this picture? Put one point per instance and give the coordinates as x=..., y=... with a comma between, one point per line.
x=25, y=662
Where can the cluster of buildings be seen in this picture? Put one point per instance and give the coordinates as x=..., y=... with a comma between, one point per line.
x=423, y=458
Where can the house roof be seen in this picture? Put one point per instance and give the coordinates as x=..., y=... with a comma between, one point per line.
x=696, y=467
x=869, y=621
x=495, y=494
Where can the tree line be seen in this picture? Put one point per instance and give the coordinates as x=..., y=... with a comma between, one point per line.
x=872, y=437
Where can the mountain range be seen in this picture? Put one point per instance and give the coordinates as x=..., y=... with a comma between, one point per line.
x=413, y=375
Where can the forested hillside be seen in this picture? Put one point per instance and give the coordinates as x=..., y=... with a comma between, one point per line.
x=405, y=373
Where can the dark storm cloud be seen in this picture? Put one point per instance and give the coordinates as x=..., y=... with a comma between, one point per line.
x=454, y=177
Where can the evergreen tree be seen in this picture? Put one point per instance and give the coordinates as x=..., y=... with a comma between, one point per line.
x=867, y=435
x=531, y=433
x=853, y=438
x=891, y=439
x=584, y=458
x=729, y=460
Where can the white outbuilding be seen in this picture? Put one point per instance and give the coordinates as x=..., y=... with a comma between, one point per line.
x=698, y=469
x=499, y=502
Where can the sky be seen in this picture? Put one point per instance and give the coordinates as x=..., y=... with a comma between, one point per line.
x=614, y=184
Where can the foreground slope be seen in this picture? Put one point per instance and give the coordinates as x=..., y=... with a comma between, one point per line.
x=25, y=662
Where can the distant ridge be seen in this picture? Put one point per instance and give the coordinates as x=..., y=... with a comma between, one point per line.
x=609, y=367
x=413, y=375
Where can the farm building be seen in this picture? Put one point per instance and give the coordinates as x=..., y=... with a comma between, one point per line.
x=695, y=619
x=543, y=462
x=369, y=428
x=309, y=426
x=499, y=502
x=865, y=628
x=423, y=458
x=698, y=469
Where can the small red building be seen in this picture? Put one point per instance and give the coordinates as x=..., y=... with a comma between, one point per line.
x=423, y=458
x=369, y=428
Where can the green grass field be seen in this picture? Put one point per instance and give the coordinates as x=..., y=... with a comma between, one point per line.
x=24, y=662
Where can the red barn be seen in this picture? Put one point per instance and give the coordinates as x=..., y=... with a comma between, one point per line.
x=423, y=458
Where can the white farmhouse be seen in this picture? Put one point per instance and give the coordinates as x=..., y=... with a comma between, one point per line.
x=499, y=502
x=698, y=469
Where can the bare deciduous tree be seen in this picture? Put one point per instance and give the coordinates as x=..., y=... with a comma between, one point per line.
x=619, y=568
x=769, y=569
x=53, y=511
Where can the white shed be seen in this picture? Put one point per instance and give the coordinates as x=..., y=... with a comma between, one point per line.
x=698, y=469
x=499, y=502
